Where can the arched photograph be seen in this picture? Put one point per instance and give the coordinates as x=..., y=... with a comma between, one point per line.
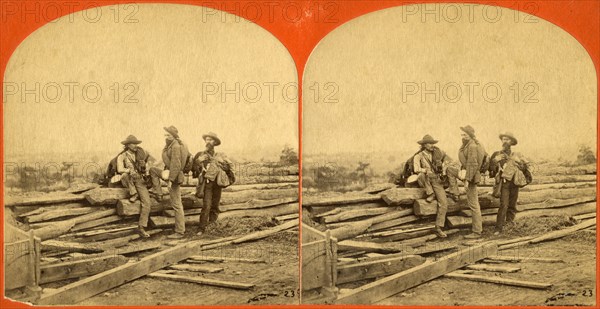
x=151, y=158
x=449, y=159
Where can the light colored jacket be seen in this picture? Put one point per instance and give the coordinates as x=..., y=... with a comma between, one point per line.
x=471, y=158
x=174, y=156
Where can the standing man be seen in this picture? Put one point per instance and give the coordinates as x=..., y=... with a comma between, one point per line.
x=208, y=165
x=504, y=165
x=175, y=156
x=471, y=156
x=429, y=165
x=132, y=166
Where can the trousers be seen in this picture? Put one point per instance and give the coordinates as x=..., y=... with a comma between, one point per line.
x=210, y=207
x=473, y=202
x=509, y=193
x=433, y=185
x=177, y=205
x=135, y=184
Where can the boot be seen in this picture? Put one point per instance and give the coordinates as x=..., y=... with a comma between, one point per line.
x=142, y=231
x=430, y=198
x=473, y=236
x=438, y=231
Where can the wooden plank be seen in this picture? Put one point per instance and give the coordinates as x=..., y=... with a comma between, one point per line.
x=373, y=269
x=552, y=235
x=391, y=223
x=82, y=289
x=542, y=195
x=205, y=258
x=266, y=233
x=346, y=199
x=257, y=203
x=514, y=240
x=204, y=281
x=80, y=268
x=124, y=250
x=105, y=196
x=564, y=185
x=282, y=219
x=459, y=221
x=94, y=223
x=186, y=212
x=41, y=210
x=356, y=213
x=42, y=200
x=310, y=234
x=524, y=259
x=82, y=187
x=423, y=208
x=397, y=213
x=315, y=273
x=554, y=203
x=350, y=230
x=397, y=283
x=378, y=187
x=99, y=232
x=70, y=246
x=62, y=227
x=334, y=211
x=261, y=186
x=197, y=268
x=564, y=232
x=498, y=280
x=585, y=216
x=352, y=245
x=164, y=221
x=59, y=213
x=127, y=208
x=400, y=231
x=402, y=196
x=563, y=178
x=494, y=268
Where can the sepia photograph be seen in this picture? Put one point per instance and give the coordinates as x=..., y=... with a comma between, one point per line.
x=450, y=160
x=150, y=158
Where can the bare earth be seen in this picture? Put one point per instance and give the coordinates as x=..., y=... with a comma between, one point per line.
x=573, y=281
x=276, y=281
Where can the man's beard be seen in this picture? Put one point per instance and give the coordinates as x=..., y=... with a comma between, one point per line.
x=506, y=146
x=168, y=141
x=465, y=141
x=210, y=146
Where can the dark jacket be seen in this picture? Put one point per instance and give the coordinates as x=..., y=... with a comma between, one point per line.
x=208, y=169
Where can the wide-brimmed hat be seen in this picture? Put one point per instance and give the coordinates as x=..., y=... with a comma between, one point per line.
x=131, y=140
x=213, y=136
x=469, y=130
x=427, y=139
x=509, y=135
x=173, y=131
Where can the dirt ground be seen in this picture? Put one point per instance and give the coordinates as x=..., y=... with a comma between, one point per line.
x=573, y=282
x=276, y=281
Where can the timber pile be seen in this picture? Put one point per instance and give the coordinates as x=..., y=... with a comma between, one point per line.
x=88, y=233
x=385, y=241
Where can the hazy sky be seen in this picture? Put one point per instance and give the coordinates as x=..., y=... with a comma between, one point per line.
x=379, y=66
x=178, y=61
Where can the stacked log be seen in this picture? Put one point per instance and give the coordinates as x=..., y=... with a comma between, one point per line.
x=386, y=222
x=90, y=229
